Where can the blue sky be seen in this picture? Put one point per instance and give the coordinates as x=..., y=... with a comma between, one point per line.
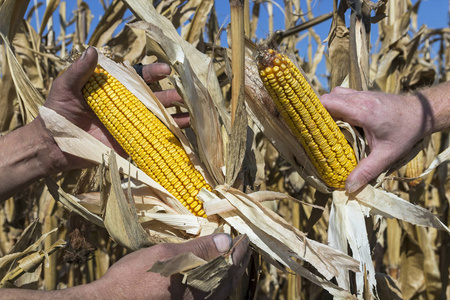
x=433, y=13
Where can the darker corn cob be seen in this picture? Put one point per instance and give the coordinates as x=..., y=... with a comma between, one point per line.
x=310, y=122
x=414, y=168
x=145, y=138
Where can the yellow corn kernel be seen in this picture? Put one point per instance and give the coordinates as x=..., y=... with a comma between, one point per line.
x=145, y=138
x=414, y=168
x=309, y=121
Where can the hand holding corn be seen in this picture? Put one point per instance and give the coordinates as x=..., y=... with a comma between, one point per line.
x=129, y=277
x=66, y=98
x=39, y=155
x=392, y=124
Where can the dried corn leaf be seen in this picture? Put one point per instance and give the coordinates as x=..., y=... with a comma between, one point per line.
x=5, y=260
x=8, y=99
x=110, y=20
x=322, y=257
x=430, y=264
x=207, y=277
x=281, y=242
x=188, y=223
x=27, y=44
x=51, y=7
x=180, y=263
x=71, y=202
x=391, y=206
x=347, y=227
x=28, y=234
x=12, y=11
x=120, y=218
x=193, y=31
x=29, y=263
x=29, y=97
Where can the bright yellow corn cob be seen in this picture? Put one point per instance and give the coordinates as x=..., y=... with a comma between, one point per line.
x=310, y=122
x=145, y=138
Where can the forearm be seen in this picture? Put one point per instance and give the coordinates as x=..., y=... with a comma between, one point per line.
x=435, y=103
x=28, y=154
x=86, y=291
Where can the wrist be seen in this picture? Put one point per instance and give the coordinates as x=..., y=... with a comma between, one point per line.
x=48, y=153
x=418, y=115
x=435, y=108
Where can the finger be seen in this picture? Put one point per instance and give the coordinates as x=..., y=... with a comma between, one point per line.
x=154, y=72
x=342, y=107
x=182, y=120
x=168, y=97
x=368, y=169
x=76, y=76
x=241, y=254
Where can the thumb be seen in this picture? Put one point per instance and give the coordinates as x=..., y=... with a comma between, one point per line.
x=207, y=247
x=367, y=169
x=76, y=76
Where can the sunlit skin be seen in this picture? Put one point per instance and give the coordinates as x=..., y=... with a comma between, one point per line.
x=392, y=124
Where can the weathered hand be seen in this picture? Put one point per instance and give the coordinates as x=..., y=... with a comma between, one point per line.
x=65, y=98
x=128, y=278
x=392, y=124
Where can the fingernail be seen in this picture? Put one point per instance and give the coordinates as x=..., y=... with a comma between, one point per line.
x=83, y=55
x=352, y=187
x=223, y=242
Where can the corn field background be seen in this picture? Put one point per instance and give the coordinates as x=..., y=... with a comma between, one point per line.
x=395, y=55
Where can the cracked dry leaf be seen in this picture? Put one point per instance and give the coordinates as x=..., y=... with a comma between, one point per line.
x=181, y=263
x=198, y=273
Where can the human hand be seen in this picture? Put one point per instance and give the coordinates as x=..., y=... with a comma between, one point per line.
x=129, y=277
x=66, y=99
x=392, y=124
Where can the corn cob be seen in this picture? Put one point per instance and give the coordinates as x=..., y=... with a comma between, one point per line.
x=414, y=168
x=152, y=146
x=310, y=122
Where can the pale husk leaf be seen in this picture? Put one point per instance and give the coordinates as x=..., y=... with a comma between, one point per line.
x=120, y=218
x=391, y=206
x=322, y=257
x=347, y=225
x=180, y=263
x=71, y=202
x=272, y=247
